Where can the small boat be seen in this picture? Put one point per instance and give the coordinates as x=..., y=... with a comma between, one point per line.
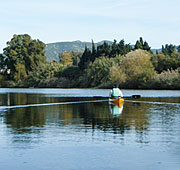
x=119, y=101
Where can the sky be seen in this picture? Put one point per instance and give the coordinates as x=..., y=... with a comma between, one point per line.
x=157, y=21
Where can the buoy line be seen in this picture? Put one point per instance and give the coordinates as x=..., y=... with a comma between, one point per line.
x=50, y=104
x=151, y=102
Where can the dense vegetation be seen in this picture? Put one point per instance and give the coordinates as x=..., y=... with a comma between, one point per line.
x=23, y=64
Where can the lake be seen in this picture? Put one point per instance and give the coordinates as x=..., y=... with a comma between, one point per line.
x=53, y=129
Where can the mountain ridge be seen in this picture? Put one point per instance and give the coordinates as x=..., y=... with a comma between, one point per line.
x=52, y=50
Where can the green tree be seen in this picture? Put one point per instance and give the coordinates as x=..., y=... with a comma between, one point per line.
x=138, y=68
x=76, y=57
x=140, y=44
x=169, y=58
x=146, y=46
x=104, y=50
x=178, y=48
x=169, y=79
x=97, y=73
x=123, y=48
x=20, y=73
x=66, y=59
x=169, y=49
x=114, y=49
x=22, y=50
x=85, y=59
x=2, y=61
x=43, y=73
x=94, y=52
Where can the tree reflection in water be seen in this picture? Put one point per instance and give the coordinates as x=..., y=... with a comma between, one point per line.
x=98, y=116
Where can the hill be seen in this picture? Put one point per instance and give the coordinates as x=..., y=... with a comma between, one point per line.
x=53, y=49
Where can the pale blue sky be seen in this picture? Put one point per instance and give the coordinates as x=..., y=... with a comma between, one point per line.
x=157, y=21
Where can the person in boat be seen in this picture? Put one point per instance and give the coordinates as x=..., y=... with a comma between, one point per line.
x=115, y=93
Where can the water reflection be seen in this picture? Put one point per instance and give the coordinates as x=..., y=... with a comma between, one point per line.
x=116, y=110
x=132, y=121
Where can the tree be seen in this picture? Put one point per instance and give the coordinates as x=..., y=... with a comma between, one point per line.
x=2, y=61
x=93, y=52
x=76, y=57
x=146, y=46
x=169, y=58
x=104, y=50
x=66, y=59
x=20, y=73
x=138, y=68
x=85, y=59
x=123, y=48
x=23, y=53
x=178, y=48
x=169, y=49
x=140, y=44
x=114, y=49
x=97, y=73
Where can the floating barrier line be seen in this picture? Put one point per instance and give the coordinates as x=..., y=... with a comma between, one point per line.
x=49, y=104
x=149, y=102
x=79, y=102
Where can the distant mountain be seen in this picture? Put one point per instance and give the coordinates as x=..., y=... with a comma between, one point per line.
x=53, y=49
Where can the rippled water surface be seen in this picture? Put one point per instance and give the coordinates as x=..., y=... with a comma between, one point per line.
x=52, y=129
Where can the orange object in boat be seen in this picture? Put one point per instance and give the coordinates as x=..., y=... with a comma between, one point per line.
x=117, y=102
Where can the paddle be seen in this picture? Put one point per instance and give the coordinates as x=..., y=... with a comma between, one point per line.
x=131, y=97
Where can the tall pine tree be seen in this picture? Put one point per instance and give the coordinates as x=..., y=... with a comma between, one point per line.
x=85, y=59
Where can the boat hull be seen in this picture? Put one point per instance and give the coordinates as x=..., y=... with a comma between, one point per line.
x=117, y=102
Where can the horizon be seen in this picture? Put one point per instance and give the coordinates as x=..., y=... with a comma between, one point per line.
x=157, y=22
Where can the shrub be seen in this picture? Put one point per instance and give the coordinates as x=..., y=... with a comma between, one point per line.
x=169, y=79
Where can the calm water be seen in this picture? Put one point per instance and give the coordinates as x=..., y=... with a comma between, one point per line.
x=54, y=129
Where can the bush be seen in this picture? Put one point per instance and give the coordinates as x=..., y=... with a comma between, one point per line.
x=138, y=69
x=169, y=79
x=97, y=72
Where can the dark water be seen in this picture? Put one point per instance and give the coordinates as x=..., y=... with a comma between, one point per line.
x=77, y=132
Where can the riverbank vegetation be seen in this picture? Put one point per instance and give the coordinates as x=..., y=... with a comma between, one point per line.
x=23, y=64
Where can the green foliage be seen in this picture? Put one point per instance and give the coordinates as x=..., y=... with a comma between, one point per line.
x=45, y=71
x=138, y=69
x=94, y=52
x=102, y=66
x=23, y=53
x=169, y=50
x=168, y=59
x=104, y=50
x=123, y=48
x=20, y=73
x=76, y=57
x=140, y=44
x=97, y=72
x=178, y=48
x=71, y=72
x=3, y=59
x=1, y=80
x=66, y=59
x=85, y=59
x=169, y=79
x=117, y=75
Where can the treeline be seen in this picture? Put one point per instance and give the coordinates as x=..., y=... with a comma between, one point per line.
x=23, y=64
